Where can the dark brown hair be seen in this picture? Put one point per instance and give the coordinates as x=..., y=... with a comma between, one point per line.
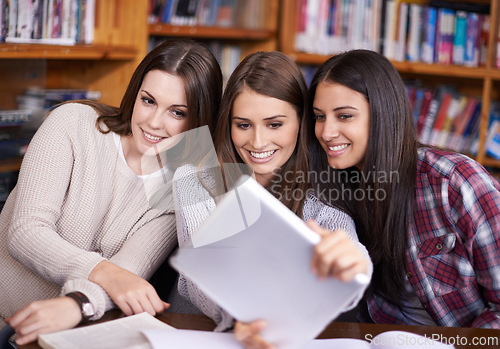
x=382, y=225
x=275, y=75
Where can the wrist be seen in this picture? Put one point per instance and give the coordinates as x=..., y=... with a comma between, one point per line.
x=86, y=308
x=100, y=271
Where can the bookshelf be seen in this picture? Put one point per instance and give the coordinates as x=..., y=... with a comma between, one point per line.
x=106, y=65
x=260, y=36
x=121, y=34
x=482, y=81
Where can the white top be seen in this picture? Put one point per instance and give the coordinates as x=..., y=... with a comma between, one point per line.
x=193, y=203
x=76, y=203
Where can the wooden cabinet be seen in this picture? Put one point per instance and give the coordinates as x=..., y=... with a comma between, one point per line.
x=481, y=81
x=120, y=43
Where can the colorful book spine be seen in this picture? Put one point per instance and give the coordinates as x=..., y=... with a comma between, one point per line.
x=459, y=38
x=471, y=54
x=445, y=42
x=10, y=118
x=429, y=41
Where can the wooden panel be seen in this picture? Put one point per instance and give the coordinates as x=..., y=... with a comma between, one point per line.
x=210, y=32
x=10, y=165
x=36, y=51
x=17, y=74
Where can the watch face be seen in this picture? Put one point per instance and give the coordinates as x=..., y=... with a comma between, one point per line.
x=88, y=310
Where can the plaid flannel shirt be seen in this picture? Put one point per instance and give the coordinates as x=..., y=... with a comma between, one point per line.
x=453, y=255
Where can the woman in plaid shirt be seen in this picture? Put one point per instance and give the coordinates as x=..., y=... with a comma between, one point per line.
x=429, y=218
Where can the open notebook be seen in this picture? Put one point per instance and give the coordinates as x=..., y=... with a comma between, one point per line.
x=252, y=256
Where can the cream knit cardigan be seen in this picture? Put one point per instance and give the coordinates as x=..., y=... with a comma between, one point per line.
x=77, y=203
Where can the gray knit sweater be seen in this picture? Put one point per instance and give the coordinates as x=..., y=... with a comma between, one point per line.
x=193, y=204
x=77, y=203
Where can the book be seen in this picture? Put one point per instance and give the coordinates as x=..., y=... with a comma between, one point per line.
x=470, y=132
x=440, y=117
x=37, y=98
x=415, y=33
x=7, y=182
x=471, y=54
x=430, y=118
x=429, y=40
x=390, y=29
x=9, y=118
x=237, y=257
x=483, y=39
x=401, y=32
x=13, y=148
x=444, y=43
x=457, y=104
x=188, y=339
x=424, y=110
x=460, y=123
x=459, y=38
x=120, y=333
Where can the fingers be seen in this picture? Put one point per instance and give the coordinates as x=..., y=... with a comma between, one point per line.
x=131, y=293
x=44, y=317
x=336, y=255
x=141, y=300
x=249, y=335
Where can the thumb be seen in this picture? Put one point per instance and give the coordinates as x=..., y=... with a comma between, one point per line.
x=314, y=226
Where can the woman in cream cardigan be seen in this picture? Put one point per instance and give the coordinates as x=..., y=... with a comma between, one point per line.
x=79, y=223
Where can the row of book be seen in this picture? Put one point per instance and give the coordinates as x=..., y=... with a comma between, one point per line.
x=228, y=55
x=56, y=22
x=432, y=31
x=443, y=32
x=445, y=117
x=249, y=14
x=18, y=126
x=7, y=182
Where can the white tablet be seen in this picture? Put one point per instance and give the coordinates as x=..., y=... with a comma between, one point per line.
x=252, y=256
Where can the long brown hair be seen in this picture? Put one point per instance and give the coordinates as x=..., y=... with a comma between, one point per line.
x=275, y=75
x=382, y=225
x=193, y=63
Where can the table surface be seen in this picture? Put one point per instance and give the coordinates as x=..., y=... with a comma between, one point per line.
x=459, y=337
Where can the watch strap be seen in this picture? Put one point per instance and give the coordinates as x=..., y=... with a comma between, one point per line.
x=82, y=301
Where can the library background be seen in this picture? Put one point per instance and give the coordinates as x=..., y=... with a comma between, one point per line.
x=448, y=52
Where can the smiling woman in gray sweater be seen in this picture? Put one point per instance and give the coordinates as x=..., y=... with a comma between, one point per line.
x=79, y=222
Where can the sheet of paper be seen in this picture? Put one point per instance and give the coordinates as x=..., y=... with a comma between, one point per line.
x=121, y=333
x=262, y=270
x=188, y=339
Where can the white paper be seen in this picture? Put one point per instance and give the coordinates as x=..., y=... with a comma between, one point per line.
x=189, y=339
x=121, y=333
x=263, y=271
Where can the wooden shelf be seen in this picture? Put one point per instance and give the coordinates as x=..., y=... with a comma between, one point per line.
x=10, y=165
x=415, y=68
x=487, y=161
x=211, y=32
x=87, y=52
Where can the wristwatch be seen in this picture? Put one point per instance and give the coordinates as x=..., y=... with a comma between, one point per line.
x=83, y=302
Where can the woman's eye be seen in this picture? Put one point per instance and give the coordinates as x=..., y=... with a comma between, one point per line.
x=275, y=125
x=243, y=126
x=319, y=117
x=147, y=100
x=179, y=113
x=344, y=116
